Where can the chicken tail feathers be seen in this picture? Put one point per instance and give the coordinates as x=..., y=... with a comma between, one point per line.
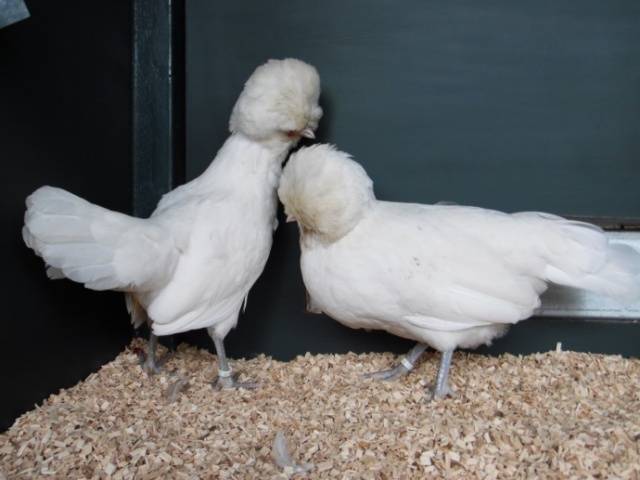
x=137, y=312
x=89, y=244
x=586, y=259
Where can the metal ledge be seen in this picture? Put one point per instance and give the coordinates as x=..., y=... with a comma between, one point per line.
x=568, y=302
x=12, y=11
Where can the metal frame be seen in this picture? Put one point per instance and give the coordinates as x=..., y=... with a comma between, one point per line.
x=567, y=302
x=12, y=11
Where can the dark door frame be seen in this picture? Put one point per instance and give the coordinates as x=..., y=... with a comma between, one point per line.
x=158, y=100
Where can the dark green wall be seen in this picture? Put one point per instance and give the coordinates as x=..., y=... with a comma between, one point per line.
x=65, y=120
x=531, y=105
x=512, y=105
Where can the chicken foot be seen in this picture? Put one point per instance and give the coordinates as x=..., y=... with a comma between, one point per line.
x=226, y=377
x=149, y=361
x=401, y=369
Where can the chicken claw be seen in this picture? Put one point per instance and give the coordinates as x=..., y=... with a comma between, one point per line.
x=405, y=366
x=231, y=381
x=149, y=361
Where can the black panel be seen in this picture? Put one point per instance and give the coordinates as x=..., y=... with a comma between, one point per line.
x=65, y=120
x=158, y=100
x=529, y=105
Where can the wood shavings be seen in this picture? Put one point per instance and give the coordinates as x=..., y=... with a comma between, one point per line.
x=554, y=415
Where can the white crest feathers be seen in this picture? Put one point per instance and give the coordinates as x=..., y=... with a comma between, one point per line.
x=281, y=95
x=326, y=191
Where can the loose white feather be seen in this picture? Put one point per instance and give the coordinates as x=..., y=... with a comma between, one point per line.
x=283, y=459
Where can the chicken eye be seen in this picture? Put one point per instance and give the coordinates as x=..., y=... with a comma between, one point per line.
x=292, y=133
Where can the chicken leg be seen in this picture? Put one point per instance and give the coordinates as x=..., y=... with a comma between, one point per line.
x=149, y=362
x=441, y=387
x=401, y=369
x=226, y=377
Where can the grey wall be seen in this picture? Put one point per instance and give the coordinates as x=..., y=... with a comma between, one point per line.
x=65, y=110
x=530, y=105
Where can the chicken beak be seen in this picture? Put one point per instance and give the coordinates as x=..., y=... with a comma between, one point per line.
x=308, y=133
x=290, y=219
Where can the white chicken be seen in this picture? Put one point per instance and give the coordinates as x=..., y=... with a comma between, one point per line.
x=190, y=264
x=446, y=276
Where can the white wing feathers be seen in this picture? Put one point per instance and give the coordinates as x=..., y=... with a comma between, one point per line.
x=462, y=266
x=97, y=247
x=579, y=255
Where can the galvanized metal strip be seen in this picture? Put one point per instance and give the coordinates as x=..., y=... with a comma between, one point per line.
x=568, y=302
x=12, y=11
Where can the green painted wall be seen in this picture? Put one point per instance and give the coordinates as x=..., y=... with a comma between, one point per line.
x=531, y=105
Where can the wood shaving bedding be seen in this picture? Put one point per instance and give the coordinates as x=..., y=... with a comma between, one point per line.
x=551, y=415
